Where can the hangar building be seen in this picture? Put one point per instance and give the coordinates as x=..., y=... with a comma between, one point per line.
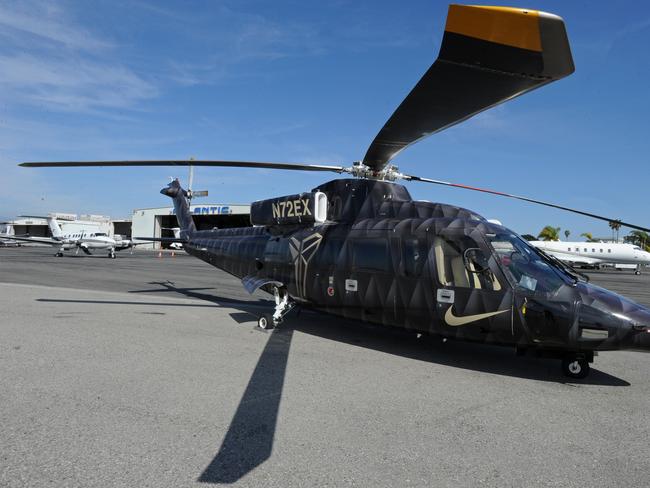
x=159, y=222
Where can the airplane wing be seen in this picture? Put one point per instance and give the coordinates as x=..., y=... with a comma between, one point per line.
x=51, y=242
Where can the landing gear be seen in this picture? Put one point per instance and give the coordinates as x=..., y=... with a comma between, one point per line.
x=58, y=254
x=637, y=271
x=111, y=254
x=283, y=305
x=576, y=367
x=266, y=321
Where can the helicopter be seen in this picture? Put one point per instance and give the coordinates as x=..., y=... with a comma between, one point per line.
x=360, y=247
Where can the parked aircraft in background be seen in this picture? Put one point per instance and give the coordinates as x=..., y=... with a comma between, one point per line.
x=177, y=235
x=83, y=238
x=8, y=230
x=594, y=254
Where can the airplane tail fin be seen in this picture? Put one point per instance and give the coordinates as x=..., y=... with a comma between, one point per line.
x=181, y=208
x=54, y=228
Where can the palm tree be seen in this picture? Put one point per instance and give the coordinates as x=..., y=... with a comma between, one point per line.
x=615, y=225
x=638, y=237
x=549, y=233
x=567, y=233
x=588, y=237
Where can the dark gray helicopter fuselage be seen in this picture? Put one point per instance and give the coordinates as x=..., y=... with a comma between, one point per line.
x=383, y=258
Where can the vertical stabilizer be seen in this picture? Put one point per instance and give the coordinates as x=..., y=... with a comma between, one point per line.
x=181, y=208
x=54, y=228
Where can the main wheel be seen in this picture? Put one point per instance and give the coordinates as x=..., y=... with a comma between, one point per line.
x=265, y=322
x=576, y=368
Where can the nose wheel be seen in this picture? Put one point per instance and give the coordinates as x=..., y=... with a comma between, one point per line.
x=575, y=367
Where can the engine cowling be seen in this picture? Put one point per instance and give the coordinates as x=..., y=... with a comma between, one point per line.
x=298, y=209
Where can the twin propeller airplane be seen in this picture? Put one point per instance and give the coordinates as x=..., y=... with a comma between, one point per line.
x=362, y=248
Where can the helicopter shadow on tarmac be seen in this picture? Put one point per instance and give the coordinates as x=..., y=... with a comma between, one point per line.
x=248, y=441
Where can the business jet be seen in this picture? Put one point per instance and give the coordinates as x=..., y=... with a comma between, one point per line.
x=80, y=238
x=595, y=253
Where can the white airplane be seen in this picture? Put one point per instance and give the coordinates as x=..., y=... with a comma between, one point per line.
x=177, y=235
x=595, y=253
x=86, y=239
x=8, y=230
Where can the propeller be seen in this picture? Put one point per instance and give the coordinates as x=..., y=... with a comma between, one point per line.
x=358, y=169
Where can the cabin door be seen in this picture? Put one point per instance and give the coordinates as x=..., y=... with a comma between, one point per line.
x=473, y=301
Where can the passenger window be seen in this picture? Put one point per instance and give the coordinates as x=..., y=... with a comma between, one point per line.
x=413, y=254
x=593, y=250
x=601, y=249
x=609, y=250
x=371, y=255
x=450, y=266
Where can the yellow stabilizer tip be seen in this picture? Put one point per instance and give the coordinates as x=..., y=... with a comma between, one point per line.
x=514, y=27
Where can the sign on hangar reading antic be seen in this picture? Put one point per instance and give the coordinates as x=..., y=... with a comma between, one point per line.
x=209, y=210
x=301, y=208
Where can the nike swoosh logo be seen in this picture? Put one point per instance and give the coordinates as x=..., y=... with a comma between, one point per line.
x=454, y=321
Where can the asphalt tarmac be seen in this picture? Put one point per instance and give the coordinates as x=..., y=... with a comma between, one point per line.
x=146, y=371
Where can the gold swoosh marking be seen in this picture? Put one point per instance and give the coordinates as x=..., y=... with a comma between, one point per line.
x=454, y=321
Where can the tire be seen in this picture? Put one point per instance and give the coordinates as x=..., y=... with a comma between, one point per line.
x=576, y=368
x=265, y=321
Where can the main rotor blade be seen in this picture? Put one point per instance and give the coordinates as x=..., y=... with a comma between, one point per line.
x=526, y=199
x=488, y=56
x=190, y=162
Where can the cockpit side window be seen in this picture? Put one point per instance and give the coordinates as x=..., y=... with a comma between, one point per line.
x=452, y=269
x=525, y=266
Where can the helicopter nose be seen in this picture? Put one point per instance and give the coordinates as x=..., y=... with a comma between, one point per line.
x=627, y=322
x=639, y=335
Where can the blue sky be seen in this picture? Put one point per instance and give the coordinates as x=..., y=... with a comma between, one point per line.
x=308, y=82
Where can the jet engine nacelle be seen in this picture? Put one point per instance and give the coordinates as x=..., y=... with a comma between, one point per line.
x=299, y=209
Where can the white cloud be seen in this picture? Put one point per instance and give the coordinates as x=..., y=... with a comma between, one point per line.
x=48, y=61
x=45, y=21
x=71, y=85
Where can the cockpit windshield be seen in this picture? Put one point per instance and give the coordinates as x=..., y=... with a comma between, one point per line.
x=525, y=266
